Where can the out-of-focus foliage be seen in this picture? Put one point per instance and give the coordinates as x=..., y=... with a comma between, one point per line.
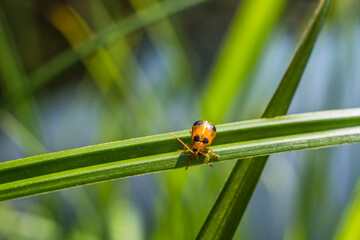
x=151, y=80
x=348, y=227
x=238, y=55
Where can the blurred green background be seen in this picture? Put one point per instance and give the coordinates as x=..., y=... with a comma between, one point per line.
x=77, y=73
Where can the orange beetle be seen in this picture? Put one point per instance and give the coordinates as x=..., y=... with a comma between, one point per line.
x=202, y=135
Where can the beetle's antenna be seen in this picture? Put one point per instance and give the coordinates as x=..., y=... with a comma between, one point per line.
x=181, y=142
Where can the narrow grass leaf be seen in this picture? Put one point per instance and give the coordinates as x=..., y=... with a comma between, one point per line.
x=226, y=213
x=81, y=166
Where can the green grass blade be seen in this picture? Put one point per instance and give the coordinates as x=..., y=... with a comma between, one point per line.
x=250, y=27
x=349, y=224
x=81, y=166
x=284, y=93
x=231, y=203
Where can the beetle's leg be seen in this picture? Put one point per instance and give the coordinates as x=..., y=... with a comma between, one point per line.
x=185, y=148
x=188, y=160
x=185, y=145
x=207, y=159
x=196, y=154
x=190, y=132
x=187, y=157
x=211, y=151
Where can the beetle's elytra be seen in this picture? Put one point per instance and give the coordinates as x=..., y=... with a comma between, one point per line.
x=202, y=135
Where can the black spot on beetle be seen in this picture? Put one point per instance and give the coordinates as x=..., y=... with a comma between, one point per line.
x=206, y=140
x=212, y=127
x=198, y=123
x=199, y=153
x=197, y=138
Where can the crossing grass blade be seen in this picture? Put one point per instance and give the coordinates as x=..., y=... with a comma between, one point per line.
x=226, y=213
